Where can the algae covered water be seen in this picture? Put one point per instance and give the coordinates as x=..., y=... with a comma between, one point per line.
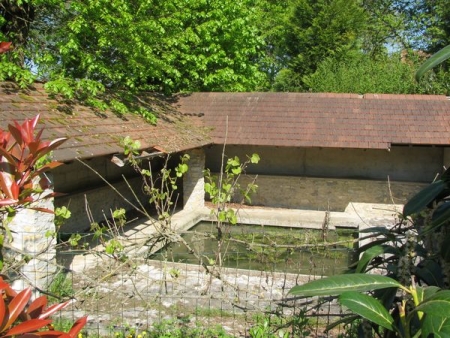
x=266, y=248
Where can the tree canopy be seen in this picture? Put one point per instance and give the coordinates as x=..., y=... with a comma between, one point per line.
x=84, y=48
x=323, y=37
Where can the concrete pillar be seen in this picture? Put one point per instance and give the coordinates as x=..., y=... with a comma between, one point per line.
x=193, y=181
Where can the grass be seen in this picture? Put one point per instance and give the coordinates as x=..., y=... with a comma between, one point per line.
x=60, y=288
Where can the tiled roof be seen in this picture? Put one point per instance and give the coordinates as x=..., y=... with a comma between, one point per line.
x=92, y=133
x=322, y=120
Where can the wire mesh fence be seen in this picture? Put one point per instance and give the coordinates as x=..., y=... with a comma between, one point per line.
x=127, y=295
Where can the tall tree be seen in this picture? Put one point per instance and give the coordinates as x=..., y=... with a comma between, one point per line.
x=318, y=29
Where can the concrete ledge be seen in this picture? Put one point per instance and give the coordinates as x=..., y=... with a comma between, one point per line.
x=356, y=215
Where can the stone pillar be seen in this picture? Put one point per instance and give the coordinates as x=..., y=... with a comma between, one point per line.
x=193, y=181
x=29, y=229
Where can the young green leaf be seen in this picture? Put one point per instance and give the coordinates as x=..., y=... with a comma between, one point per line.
x=336, y=285
x=367, y=307
x=255, y=158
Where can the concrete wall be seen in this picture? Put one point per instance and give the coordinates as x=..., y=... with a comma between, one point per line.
x=75, y=176
x=413, y=164
x=332, y=194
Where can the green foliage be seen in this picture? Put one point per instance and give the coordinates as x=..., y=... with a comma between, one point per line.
x=336, y=285
x=107, y=233
x=130, y=147
x=427, y=309
x=62, y=214
x=161, y=186
x=316, y=30
x=91, y=50
x=74, y=240
x=221, y=190
x=149, y=45
x=413, y=258
x=276, y=326
x=180, y=329
x=360, y=73
x=60, y=287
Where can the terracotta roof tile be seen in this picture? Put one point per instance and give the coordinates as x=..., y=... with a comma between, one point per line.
x=323, y=119
x=95, y=134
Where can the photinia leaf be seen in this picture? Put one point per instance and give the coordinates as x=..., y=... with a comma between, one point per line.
x=77, y=326
x=336, y=285
x=49, y=166
x=16, y=134
x=55, y=144
x=51, y=334
x=34, y=121
x=48, y=211
x=17, y=305
x=3, y=316
x=52, y=309
x=3, y=286
x=7, y=156
x=367, y=307
x=423, y=198
x=27, y=326
x=37, y=307
x=8, y=185
x=7, y=201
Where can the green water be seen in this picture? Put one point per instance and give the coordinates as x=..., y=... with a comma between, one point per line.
x=291, y=250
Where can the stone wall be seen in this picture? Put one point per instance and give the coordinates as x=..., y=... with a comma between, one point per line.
x=332, y=194
x=32, y=250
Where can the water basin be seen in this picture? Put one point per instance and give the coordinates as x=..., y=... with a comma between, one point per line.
x=267, y=248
